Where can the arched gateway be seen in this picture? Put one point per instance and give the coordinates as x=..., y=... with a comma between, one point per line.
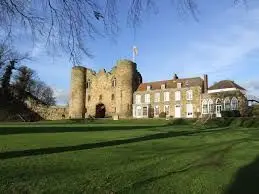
x=100, y=110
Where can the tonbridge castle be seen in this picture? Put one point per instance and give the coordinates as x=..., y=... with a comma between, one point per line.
x=103, y=93
x=121, y=92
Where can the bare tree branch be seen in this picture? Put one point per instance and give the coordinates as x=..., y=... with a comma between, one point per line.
x=69, y=24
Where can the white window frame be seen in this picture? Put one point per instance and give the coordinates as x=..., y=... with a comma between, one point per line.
x=231, y=104
x=157, y=97
x=178, y=107
x=147, y=98
x=166, y=96
x=210, y=106
x=227, y=101
x=144, y=107
x=139, y=112
x=189, y=95
x=205, y=110
x=219, y=107
x=187, y=113
x=177, y=95
x=138, y=99
x=179, y=85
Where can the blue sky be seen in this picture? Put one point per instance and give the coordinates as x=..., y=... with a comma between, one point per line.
x=224, y=43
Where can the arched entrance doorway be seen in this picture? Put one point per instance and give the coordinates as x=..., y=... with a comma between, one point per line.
x=100, y=110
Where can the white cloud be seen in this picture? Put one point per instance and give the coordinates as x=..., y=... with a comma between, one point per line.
x=61, y=96
x=224, y=48
x=252, y=87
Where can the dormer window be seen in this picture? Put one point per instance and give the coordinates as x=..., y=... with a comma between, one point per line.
x=163, y=86
x=179, y=85
x=148, y=87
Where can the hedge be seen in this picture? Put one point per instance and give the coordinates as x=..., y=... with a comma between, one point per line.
x=230, y=113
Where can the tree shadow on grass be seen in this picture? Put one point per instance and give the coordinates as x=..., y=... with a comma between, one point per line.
x=52, y=150
x=246, y=180
x=215, y=158
x=62, y=129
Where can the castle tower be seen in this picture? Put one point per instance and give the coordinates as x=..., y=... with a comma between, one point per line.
x=125, y=72
x=77, y=92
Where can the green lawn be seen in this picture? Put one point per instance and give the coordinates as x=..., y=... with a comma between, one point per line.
x=145, y=156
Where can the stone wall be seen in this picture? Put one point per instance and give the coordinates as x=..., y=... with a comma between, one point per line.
x=48, y=112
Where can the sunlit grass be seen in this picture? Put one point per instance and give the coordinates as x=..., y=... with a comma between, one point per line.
x=124, y=157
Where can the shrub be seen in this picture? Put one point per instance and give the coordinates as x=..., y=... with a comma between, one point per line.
x=177, y=122
x=181, y=121
x=225, y=114
x=197, y=114
x=236, y=113
x=227, y=122
x=255, y=110
x=248, y=123
x=162, y=115
x=213, y=123
x=256, y=122
x=230, y=113
x=237, y=122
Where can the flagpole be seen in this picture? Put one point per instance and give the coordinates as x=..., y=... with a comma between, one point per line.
x=133, y=54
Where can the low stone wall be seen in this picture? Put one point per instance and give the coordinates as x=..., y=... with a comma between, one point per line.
x=48, y=112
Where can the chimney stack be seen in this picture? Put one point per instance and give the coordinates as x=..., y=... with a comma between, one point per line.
x=175, y=76
x=205, y=83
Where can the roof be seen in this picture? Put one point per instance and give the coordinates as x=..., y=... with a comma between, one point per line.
x=225, y=84
x=186, y=82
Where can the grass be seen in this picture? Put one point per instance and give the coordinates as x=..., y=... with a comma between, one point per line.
x=134, y=156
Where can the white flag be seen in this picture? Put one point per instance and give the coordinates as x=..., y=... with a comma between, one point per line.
x=135, y=50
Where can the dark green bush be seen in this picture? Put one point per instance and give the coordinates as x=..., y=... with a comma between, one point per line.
x=227, y=122
x=177, y=122
x=256, y=122
x=225, y=114
x=237, y=122
x=197, y=114
x=236, y=113
x=255, y=110
x=213, y=123
x=162, y=115
x=230, y=113
x=181, y=121
x=248, y=122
